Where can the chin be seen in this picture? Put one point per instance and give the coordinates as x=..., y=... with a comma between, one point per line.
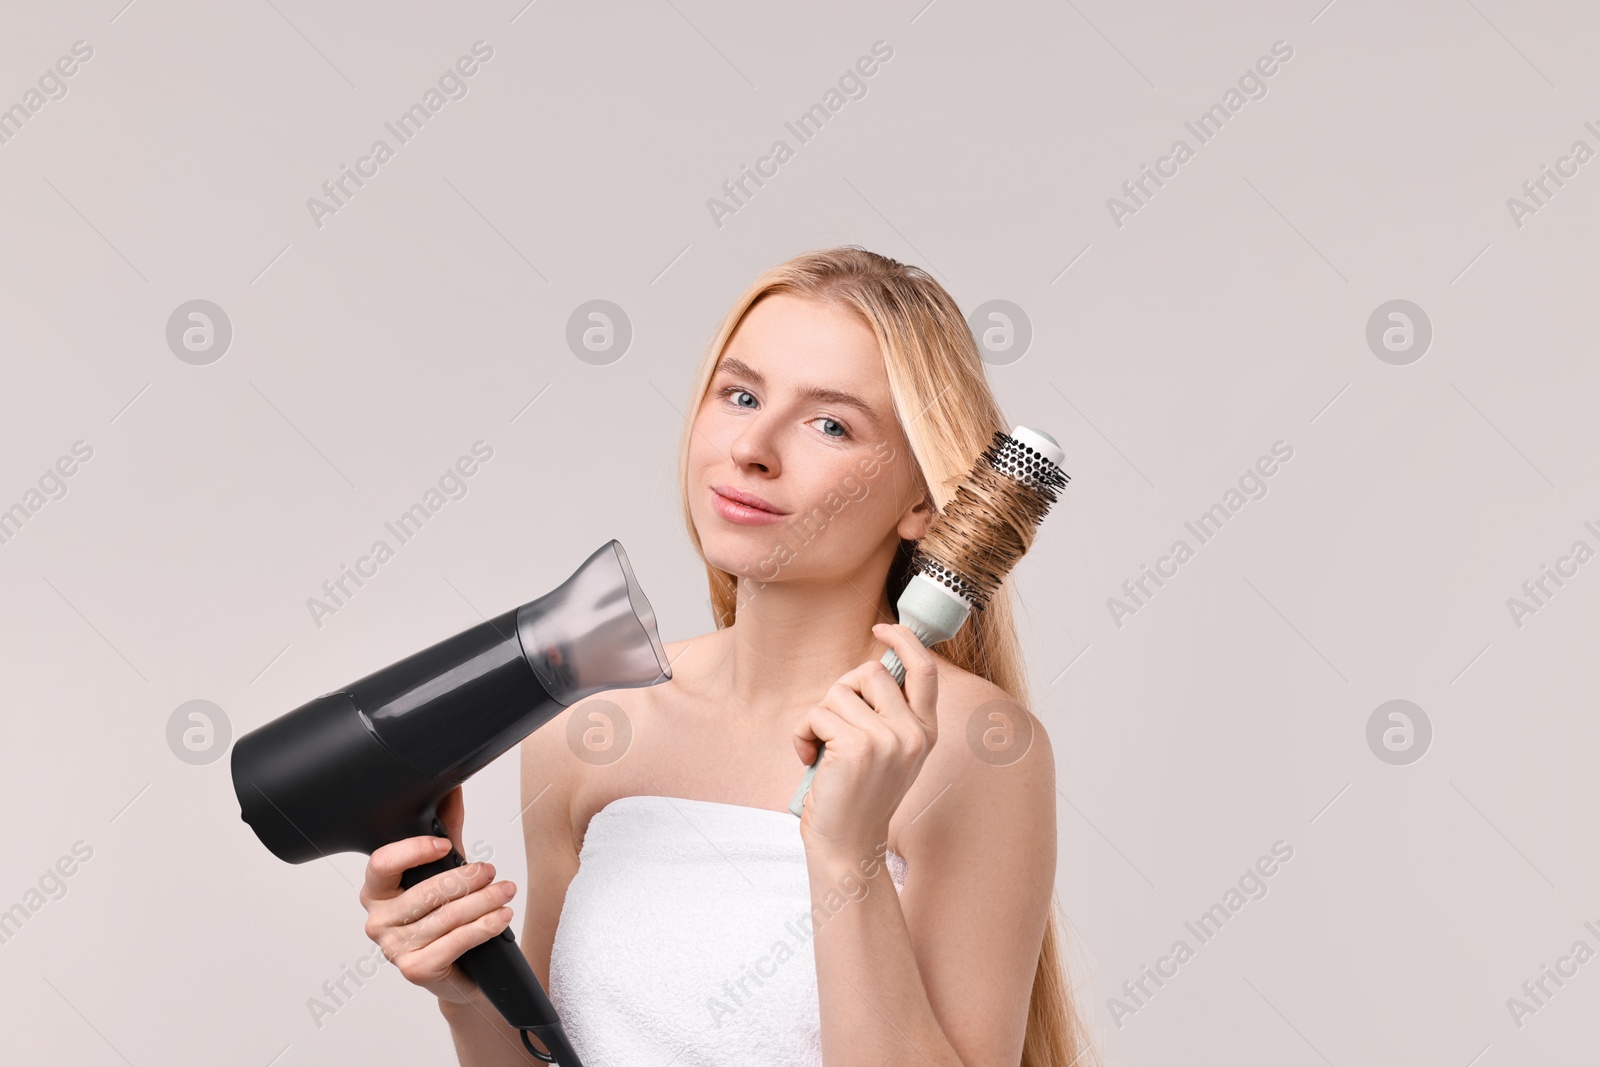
x=750, y=559
x=747, y=551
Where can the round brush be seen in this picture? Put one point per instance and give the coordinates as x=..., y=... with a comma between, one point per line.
x=973, y=544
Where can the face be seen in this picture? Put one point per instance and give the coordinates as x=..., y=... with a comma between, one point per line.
x=798, y=420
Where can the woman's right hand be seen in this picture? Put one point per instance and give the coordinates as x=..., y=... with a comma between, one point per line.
x=424, y=929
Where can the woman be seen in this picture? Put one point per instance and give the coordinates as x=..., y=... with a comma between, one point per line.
x=839, y=404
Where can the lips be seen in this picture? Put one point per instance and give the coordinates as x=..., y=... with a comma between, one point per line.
x=749, y=500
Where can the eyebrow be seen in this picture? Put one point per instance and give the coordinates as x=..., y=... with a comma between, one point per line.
x=740, y=369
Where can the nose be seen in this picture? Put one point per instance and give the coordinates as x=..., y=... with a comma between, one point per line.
x=754, y=448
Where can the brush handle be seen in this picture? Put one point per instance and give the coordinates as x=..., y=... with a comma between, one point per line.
x=931, y=611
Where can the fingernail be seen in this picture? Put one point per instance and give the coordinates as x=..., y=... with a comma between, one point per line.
x=440, y=844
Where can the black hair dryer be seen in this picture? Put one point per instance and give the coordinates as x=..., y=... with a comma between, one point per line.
x=368, y=764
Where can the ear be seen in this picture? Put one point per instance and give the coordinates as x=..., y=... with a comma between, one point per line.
x=916, y=520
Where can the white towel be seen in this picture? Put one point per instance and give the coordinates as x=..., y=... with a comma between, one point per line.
x=686, y=938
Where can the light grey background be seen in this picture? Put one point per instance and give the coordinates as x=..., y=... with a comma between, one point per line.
x=1167, y=355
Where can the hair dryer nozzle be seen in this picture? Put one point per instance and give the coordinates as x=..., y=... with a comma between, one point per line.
x=593, y=632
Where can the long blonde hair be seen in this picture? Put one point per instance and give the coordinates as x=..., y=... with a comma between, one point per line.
x=948, y=413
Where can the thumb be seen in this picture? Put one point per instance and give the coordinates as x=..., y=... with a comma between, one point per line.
x=452, y=812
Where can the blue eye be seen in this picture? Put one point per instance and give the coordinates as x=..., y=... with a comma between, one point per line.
x=732, y=390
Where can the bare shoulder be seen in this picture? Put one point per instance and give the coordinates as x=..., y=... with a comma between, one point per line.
x=992, y=758
x=1008, y=731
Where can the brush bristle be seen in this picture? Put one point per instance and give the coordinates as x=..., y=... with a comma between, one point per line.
x=991, y=520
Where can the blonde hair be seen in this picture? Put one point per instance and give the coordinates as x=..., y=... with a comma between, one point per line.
x=926, y=347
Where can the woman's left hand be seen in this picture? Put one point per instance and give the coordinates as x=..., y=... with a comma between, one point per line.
x=877, y=737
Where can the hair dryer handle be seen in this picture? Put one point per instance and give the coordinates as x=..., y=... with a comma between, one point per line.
x=502, y=973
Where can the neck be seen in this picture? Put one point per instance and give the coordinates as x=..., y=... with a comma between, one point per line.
x=791, y=640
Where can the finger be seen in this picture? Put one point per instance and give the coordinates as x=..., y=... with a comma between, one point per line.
x=922, y=672
x=906, y=645
x=863, y=731
x=389, y=862
x=429, y=894
x=820, y=724
x=844, y=699
x=436, y=957
x=453, y=913
x=883, y=693
x=805, y=746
